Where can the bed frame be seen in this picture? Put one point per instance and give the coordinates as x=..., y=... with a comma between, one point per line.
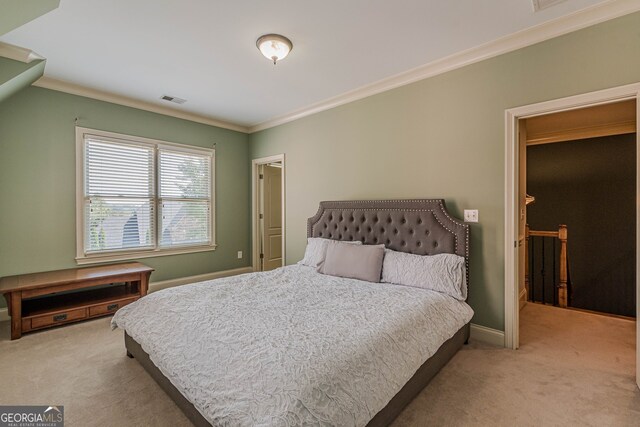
x=422, y=227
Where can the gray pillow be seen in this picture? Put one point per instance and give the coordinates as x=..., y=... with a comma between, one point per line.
x=354, y=262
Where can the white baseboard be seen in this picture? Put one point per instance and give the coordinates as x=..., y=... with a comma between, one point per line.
x=156, y=286
x=487, y=335
x=523, y=298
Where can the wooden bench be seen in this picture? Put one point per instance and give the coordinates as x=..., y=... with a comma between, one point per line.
x=43, y=300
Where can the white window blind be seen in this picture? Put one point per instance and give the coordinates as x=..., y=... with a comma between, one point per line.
x=143, y=196
x=185, y=189
x=119, y=200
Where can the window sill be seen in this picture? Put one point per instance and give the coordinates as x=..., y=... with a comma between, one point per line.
x=128, y=256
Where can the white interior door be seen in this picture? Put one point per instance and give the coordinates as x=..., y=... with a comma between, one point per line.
x=272, y=217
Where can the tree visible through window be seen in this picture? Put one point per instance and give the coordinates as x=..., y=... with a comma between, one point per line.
x=184, y=188
x=145, y=196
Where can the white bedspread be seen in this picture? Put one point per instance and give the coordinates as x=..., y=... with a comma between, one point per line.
x=291, y=346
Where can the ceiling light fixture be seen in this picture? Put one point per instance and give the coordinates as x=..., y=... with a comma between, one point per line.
x=274, y=46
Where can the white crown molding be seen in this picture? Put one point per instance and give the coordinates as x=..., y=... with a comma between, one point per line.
x=487, y=335
x=587, y=17
x=530, y=36
x=18, y=53
x=74, y=89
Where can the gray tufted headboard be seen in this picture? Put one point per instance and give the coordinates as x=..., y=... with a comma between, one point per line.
x=422, y=227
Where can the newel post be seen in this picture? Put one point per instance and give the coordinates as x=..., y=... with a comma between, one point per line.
x=562, y=287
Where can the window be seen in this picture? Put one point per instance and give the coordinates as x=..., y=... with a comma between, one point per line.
x=139, y=197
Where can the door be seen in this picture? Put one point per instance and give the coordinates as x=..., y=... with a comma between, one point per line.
x=272, y=216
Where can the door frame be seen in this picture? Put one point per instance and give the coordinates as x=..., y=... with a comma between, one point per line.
x=255, y=232
x=511, y=292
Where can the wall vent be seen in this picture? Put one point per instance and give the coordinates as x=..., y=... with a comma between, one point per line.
x=173, y=99
x=543, y=4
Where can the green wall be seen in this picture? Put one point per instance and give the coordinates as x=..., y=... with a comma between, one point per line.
x=37, y=181
x=16, y=75
x=15, y=13
x=444, y=137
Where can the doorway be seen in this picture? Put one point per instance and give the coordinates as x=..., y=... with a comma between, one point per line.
x=579, y=187
x=268, y=184
x=515, y=194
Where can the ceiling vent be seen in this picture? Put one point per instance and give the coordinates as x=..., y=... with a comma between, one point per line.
x=543, y=4
x=173, y=99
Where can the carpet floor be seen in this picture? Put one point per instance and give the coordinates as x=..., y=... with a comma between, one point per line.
x=572, y=369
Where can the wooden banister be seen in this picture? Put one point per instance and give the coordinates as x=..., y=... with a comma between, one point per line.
x=562, y=236
x=544, y=233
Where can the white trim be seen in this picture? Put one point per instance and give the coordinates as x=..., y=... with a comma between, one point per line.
x=511, y=311
x=75, y=89
x=164, y=284
x=523, y=298
x=255, y=229
x=581, y=19
x=83, y=258
x=511, y=314
x=527, y=37
x=487, y=335
x=18, y=53
x=131, y=255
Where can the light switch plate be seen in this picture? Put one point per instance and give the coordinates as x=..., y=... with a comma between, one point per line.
x=239, y=254
x=470, y=215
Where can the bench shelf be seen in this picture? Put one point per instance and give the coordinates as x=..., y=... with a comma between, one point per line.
x=43, y=300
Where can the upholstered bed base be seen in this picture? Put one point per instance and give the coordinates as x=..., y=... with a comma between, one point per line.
x=421, y=378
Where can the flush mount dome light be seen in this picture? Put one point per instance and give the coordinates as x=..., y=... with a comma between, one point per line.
x=274, y=46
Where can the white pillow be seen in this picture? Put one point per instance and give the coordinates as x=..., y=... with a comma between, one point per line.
x=443, y=273
x=316, y=250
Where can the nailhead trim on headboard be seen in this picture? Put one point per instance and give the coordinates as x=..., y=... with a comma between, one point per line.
x=441, y=229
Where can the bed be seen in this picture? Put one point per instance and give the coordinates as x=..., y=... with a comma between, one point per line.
x=296, y=347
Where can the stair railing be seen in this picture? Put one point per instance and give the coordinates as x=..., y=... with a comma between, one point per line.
x=561, y=293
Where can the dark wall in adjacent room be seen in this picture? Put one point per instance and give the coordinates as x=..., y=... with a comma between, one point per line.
x=590, y=186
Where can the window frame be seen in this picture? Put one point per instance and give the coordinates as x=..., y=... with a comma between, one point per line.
x=82, y=256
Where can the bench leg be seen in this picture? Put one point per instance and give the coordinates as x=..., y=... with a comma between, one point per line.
x=15, y=302
x=129, y=355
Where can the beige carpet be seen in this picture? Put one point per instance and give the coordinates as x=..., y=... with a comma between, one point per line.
x=572, y=369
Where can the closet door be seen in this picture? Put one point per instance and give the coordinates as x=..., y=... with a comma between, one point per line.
x=272, y=243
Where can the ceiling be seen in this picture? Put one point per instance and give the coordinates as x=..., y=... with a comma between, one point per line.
x=204, y=50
